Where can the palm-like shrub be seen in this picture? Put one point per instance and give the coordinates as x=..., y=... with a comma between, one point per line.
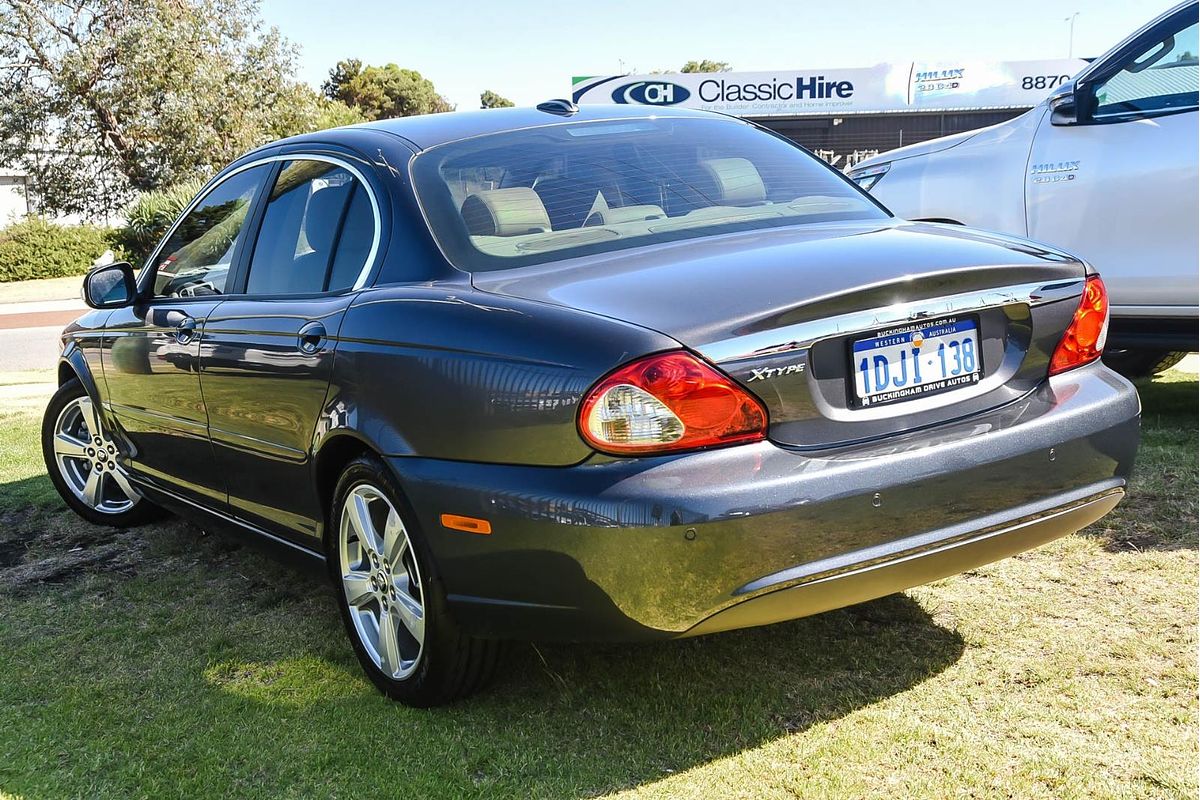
x=151, y=214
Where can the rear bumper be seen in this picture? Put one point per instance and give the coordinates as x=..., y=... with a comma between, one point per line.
x=905, y=563
x=749, y=535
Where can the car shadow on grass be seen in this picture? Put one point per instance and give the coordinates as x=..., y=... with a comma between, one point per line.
x=192, y=664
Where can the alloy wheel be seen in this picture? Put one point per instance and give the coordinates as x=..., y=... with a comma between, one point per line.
x=381, y=581
x=86, y=460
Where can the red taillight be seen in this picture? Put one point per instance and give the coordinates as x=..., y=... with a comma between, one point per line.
x=668, y=402
x=1083, y=341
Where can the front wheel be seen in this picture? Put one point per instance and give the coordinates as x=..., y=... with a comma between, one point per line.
x=390, y=600
x=81, y=460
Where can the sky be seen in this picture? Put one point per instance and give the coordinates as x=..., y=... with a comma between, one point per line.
x=528, y=50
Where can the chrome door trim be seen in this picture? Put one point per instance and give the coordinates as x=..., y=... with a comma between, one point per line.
x=803, y=335
x=224, y=517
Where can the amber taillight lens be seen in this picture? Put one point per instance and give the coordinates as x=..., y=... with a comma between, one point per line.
x=1083, y=341
x=669, y=402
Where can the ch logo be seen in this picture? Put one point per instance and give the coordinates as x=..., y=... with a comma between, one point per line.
x=658, y=93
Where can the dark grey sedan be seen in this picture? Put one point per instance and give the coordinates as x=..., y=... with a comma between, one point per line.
x=597, y=373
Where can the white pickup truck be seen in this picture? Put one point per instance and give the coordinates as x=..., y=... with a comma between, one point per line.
x=1105, y=168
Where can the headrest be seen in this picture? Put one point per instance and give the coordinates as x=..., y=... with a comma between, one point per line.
x=323, y=215
x=505, y=212
x=738, y=182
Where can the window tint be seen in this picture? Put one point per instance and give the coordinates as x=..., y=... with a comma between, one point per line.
x=196, y=259
x=526, y=197
x=316, y=233
x=1161, y=78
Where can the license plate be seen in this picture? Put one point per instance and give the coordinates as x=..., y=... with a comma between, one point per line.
x=915, y=360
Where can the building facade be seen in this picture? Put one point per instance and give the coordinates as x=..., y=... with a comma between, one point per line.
x=845, y=115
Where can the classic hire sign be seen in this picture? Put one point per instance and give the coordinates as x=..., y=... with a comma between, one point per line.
x=912, y=86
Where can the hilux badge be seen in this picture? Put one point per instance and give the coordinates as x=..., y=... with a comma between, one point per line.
x=774, y=372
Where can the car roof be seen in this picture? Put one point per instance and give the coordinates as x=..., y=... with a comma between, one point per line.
x=430, y=130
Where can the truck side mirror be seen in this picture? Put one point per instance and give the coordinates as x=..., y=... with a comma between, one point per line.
x=1063, y=108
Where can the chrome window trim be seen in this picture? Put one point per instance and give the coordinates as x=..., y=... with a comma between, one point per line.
x=359, y=282
x=803, y=335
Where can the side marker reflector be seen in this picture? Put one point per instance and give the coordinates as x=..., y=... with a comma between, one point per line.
x=467, y=524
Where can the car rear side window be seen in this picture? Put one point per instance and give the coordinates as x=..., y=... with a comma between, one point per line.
x=195, y=260
x=316, y=233
x=543, y=194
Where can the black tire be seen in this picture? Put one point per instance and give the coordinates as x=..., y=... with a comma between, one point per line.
x=450, y=664
x=1141, y=363
x=141, y=511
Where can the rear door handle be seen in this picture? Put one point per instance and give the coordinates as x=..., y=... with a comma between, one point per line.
x=312, y=337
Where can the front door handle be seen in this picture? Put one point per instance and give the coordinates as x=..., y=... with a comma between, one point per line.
x=184, y=325
x=312, y=337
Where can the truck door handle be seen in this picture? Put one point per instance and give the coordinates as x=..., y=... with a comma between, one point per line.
x=312, y=337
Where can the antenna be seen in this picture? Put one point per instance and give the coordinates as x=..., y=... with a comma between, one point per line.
x=564, y=108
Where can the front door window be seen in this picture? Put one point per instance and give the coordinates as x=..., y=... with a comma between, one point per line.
x=196, y=259
x=1163, y=77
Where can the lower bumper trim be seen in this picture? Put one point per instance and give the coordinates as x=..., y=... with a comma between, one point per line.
x=908, y=567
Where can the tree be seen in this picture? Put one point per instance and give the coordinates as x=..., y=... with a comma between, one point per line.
x=706, y=66
x=331, y=114
x=383, y=92
x=103, y=98
x=490, y=99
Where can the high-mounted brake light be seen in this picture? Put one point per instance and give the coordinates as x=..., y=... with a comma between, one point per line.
x=669, y=402
x=1083, y=341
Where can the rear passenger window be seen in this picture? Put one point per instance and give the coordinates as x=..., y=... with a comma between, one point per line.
x=316, y=233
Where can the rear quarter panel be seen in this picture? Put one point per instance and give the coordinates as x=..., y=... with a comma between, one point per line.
x=442, y=371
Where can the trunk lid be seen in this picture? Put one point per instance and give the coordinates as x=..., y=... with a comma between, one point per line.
x=780, y=310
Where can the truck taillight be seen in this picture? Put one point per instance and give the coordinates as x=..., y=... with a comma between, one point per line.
x=1083, y=341
x=668, y=402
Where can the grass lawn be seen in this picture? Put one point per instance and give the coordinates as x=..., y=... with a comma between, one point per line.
x=164, y=661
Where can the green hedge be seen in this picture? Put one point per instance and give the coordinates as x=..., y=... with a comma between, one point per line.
x=38, y=248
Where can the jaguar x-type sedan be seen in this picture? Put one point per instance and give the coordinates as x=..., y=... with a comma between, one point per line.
x=598, y=373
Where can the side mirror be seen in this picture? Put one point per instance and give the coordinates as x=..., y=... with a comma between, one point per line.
x=1063, y=108
x=111, y=286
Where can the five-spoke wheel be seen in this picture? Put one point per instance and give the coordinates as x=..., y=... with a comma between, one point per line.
x=82, y=459
x=390, y=596
x=87, y=460
x=381, y=581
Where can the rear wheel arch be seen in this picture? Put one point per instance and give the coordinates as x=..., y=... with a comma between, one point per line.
x=330, y=461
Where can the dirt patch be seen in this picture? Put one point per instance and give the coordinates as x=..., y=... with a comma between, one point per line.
x=11, y=553
x=40, y=548
x=58, y=547
x=53, y=548
x=15, y=535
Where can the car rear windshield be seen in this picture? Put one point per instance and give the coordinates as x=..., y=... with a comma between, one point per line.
x=543, y=194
